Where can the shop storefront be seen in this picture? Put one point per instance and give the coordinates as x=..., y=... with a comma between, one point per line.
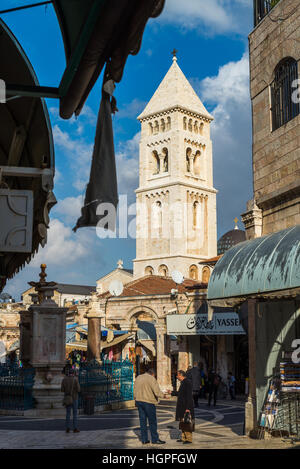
x=220, y=343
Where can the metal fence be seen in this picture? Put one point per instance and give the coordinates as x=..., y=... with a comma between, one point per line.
x=105, y=383
x=262, y=8
x=16, y=387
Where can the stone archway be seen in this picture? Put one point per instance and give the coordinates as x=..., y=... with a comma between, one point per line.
x=161, y=342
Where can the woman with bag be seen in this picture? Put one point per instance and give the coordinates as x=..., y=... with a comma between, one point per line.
x=70, y=387
x=185, y=408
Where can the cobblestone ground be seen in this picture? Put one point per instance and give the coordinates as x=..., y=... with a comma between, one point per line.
x=219, y=427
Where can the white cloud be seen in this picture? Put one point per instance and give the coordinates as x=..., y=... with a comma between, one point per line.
x=217, y=16
x=79, y=153
x=63, y=246
x=68, y=209
x=127, y=162
x=132, y=110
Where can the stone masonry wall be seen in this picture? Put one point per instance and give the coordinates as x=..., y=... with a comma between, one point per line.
x=276, y=154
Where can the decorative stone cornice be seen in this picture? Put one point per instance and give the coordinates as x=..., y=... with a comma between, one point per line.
x=181, y=109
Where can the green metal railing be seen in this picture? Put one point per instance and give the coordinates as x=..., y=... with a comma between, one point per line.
x=106, y=383
x=16, y=387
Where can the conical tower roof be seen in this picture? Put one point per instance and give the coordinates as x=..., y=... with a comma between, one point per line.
x=175, y=91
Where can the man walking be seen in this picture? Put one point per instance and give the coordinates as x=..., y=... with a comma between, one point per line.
x=70, y=387
x=185, y=404
x=194, y=374
x=231, y=385
x=214, y=380
x=146, y=394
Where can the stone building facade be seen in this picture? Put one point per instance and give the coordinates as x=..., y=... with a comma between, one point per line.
x=274, y=69
x=144, y=305
x=176, y=200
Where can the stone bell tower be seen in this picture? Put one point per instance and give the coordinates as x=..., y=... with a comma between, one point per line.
x=176, y=200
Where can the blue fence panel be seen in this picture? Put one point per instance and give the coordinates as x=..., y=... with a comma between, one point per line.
x=16, y=388
x=106, y=383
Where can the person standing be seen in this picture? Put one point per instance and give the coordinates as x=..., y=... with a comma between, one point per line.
x=185, y=404
x=70, y=387
x=231, y=385
x=214, y=380
x=147, y=394
x=194, y=375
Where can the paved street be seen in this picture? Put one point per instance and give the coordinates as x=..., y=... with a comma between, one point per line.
x=216, y=427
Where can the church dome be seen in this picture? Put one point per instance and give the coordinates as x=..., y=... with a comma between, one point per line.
x=229, y=239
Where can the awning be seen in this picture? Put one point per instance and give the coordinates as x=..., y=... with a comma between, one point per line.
x=149, y=344
x=82, y=345
x=26, y=162
x=266, y=267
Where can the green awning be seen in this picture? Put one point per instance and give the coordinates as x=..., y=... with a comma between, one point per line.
x=264, y=266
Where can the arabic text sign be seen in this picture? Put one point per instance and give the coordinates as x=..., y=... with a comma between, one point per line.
x=197, y=324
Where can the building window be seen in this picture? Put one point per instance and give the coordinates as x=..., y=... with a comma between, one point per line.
x=166, y=162
x=284, y=93
x=163, y=270
x=149, y=270
x=205, y=274
x=155, y=162
x=193, y=272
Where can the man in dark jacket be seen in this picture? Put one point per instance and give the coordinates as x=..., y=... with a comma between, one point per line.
x=70, y=387
x=185, y=403
x=194, y=375
x=214, y=380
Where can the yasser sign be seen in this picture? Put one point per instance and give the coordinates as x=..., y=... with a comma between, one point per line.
x=198, y=324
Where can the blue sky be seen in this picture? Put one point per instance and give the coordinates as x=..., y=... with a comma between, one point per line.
x=212, y=43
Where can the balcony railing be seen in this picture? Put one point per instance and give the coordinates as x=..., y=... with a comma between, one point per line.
x=262, y=8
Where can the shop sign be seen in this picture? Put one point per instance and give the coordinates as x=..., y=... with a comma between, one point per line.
x=198, y=324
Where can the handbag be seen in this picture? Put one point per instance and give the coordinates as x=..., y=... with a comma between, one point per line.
x=187, y=424
x=68, y=398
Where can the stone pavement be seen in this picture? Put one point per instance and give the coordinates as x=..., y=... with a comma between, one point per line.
x=209, y=434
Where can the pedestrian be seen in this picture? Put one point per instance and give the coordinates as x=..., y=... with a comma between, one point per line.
x=147, y=394
x=194, y=375
x=185, y=407
x=231, y=385
x=214, y=380
x=70, y=387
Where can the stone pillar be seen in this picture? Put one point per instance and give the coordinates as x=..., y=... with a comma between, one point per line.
x=183, y=354
x=250, y=407
x=47, y=343
x=94, y=330
x=252, y=220
x=163, y=359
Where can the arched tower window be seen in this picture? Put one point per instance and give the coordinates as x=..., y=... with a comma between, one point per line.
x=190, y=125
x=149, y=270
x=169, y=123
x=162, y=125
x=157, y=219
x=188, y=156
x=156, y=127
x=193, y=272
x=284, y=107
x=197, y=163
x=155, y=162
x=163, y=270
x=184, y=123
x=201, y=126
x=205, y=274
x=196, y=214
x=166, y=160
x=150, y=128
x=196, y=127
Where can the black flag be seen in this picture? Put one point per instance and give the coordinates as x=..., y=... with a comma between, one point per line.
x=102, y=186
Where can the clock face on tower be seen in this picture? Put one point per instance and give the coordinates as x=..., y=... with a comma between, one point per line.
x=176, y=200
